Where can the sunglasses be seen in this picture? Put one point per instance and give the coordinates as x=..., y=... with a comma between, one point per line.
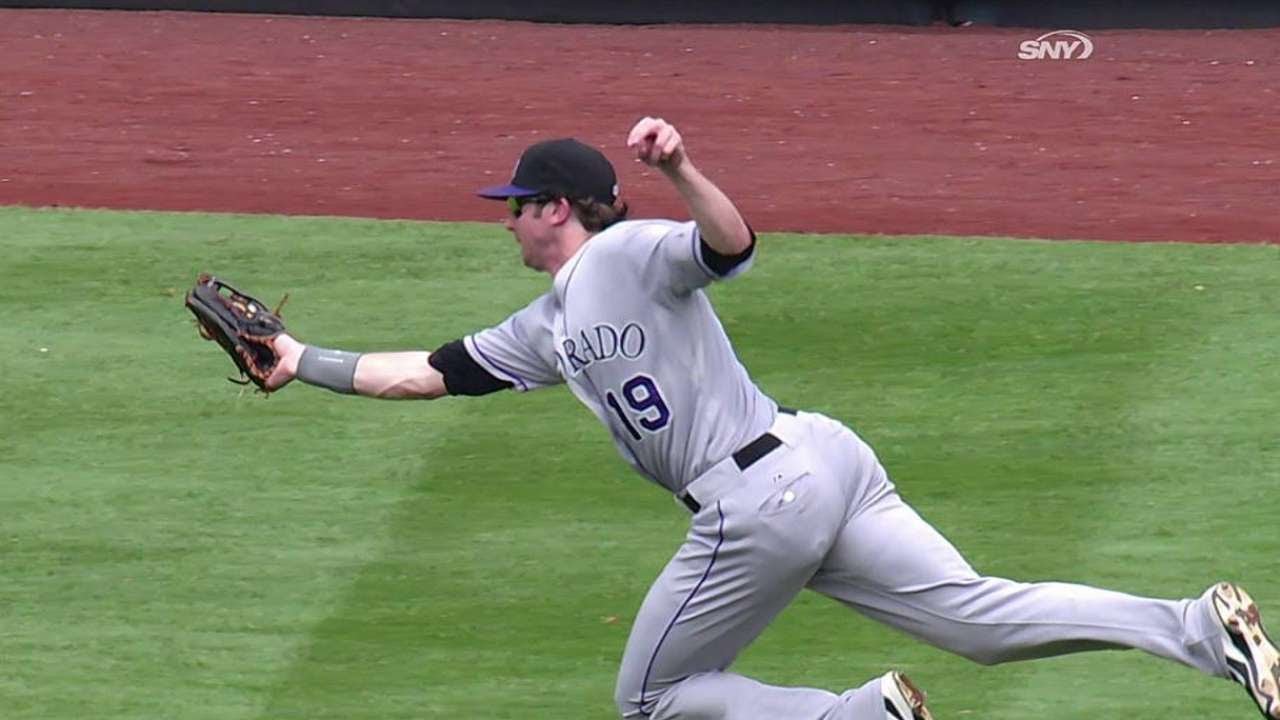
x=516, y=204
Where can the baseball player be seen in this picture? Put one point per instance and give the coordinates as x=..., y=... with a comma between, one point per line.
x=780, y=500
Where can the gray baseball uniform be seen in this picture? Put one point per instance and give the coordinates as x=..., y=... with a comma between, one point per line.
x=781, y=500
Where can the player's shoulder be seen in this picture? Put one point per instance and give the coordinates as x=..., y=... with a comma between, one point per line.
x=539, y=312
x=541, y=308
x=637, y=237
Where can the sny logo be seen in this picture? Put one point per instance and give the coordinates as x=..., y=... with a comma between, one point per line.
x=1057, y=45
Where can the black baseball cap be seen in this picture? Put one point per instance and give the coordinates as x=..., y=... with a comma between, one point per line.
x=560, y=167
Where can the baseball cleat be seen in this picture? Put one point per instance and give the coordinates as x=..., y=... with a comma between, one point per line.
x=902, y=699
x=1252, y=658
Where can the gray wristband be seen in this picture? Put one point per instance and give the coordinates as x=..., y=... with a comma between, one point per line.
x=333, y=369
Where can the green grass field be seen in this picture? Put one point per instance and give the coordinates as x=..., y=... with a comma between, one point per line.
x=170, y=548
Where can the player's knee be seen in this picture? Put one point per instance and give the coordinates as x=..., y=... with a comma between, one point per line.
x=701, y=696
x=636, y=702
x=991, y=650
x=984, y=656
x=630, y=699
x=982, y=648
x=630, y=705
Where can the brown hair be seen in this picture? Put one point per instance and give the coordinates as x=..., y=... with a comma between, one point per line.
x=596, y=216
x=592, y=214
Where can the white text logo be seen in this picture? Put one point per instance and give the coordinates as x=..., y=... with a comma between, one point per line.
x=1057, y=45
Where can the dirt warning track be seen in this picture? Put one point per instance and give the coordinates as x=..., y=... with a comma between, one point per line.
x=1164, y=135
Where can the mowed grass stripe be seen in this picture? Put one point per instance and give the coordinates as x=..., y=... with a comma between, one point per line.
x=1194, y=509
x=483, y=557
x=147, y=501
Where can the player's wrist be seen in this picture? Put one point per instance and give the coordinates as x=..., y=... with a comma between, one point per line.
x=327, y=368
x=289, y=349
x=678, y=167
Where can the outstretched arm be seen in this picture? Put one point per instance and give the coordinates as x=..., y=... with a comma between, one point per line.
x=508, y=356
x=391, y=375
x=658, y=144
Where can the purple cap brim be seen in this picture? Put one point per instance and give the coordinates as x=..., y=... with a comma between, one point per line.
x=502, y=192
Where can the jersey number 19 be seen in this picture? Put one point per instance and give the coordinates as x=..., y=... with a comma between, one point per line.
x=642, y=397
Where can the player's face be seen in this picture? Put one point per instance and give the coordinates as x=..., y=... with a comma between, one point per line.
x=530, y=221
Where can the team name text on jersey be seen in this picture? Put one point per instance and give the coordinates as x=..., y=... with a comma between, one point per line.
x=601, y=342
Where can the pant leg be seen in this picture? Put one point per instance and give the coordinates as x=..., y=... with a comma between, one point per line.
x=744, y=559
x=722, y=695
x=891, y=565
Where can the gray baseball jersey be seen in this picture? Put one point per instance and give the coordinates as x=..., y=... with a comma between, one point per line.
x=629, y=328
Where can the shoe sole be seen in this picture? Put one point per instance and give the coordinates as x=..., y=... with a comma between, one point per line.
x=912, y=695
x=1252, y=658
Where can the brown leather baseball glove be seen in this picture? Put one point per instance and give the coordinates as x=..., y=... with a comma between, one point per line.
x=241, y=324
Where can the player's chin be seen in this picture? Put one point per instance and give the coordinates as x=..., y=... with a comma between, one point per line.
x=529, y=261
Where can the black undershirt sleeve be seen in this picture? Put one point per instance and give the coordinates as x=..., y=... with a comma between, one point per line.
x=723, y=264
x=462, y=374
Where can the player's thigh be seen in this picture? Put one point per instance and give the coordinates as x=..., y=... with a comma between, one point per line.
x=745, y=558
x=887, y=548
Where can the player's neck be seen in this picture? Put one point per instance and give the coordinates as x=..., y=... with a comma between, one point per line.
x=571, y=242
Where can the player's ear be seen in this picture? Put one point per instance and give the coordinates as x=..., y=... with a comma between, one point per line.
x=561, y=211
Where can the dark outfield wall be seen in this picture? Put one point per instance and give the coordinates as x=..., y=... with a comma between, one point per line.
x=899, y=12
x=1076, y=14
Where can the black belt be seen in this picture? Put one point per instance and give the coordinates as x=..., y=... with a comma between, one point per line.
x=747, y=456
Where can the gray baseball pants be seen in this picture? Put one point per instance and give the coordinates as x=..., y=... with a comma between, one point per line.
x=820, y=512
